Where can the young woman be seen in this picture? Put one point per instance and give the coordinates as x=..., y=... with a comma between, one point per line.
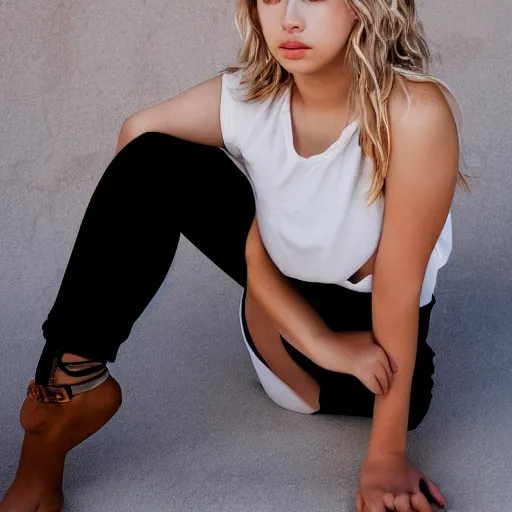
x=280, y=172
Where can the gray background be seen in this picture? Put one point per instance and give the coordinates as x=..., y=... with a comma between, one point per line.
x=204, y=436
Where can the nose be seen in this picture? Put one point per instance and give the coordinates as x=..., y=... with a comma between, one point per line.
x=292, y=19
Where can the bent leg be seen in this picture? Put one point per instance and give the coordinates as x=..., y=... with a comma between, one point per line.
x=155, y=188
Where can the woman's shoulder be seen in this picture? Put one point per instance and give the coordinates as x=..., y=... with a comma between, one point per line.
x=248, y=113
x=238, y=82
x=232, y=77
x=423, y=93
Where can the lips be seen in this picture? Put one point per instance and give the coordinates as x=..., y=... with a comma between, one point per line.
x=294, y=45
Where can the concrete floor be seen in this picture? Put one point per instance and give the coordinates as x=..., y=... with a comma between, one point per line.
x=71, y=72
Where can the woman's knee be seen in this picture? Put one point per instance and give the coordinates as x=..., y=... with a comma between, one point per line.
x=155, y=144
x=155, y=161
x=143, y=169
x=153, y=140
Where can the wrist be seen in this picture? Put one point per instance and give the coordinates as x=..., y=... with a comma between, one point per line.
x=311, y=343
x=320, y=348
x=332, y=351
x=385, y=454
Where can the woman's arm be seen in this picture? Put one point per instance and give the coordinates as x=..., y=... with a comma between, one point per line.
x=353, y=352
x=420, y=185
x=192, y=115
x=293, y=316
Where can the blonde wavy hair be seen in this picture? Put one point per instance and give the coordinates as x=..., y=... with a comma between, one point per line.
x=386, y=43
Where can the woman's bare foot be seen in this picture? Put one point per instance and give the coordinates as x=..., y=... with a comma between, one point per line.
x=51, y=430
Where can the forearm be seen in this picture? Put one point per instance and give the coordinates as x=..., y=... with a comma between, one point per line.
x=293, y=316
x=395, y=326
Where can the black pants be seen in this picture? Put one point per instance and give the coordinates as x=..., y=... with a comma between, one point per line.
x=156, y=188
x=347, y=310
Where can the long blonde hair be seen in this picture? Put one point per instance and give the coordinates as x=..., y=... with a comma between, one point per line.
x=387, y=42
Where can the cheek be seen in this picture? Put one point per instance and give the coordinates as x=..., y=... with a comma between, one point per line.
x=267, y=21
x=334, y=36
x=337, y=27
x=334, y=23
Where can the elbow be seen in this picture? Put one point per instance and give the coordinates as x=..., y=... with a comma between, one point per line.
x=254, y=260
x=133, y=127
x=129, y=131
x=250, y=245
x=249, y=253
x=249, y=265
x=255, y=253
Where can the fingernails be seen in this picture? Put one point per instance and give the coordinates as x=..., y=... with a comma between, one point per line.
x=424, y=489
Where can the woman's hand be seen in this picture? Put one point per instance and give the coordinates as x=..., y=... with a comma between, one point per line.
x=356, y=353
x=391, y=483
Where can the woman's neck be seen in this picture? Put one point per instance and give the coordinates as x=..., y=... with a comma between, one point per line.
x=323, y=93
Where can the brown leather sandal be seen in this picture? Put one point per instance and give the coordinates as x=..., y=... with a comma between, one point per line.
x=61, y=393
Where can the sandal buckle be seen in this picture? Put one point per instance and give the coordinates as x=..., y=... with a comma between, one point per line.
x=48, y=394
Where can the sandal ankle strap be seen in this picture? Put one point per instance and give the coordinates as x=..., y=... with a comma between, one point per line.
x=64, y=392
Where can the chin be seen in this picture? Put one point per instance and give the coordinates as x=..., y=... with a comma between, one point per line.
x=302, y=64
x=302, y=68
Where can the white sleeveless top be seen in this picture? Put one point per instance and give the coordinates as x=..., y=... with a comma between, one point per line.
x=312, y=212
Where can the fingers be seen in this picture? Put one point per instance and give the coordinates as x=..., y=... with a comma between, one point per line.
x=402, y=503
x=382, y=379
x=420, y=502
x=392, y=364
x=432, y=492
x=377, y=387
x=359, y=502
x=411, y=502
x=388, y=501
x=388, y=375
x=389, y=370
